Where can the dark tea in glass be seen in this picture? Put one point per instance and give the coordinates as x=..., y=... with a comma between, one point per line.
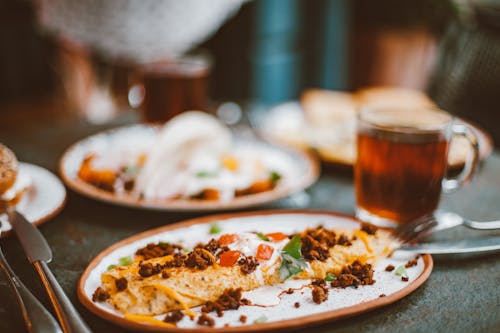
x=401, y=164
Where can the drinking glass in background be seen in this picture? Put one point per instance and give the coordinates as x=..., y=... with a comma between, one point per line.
x=401, y=165
x=170, y=87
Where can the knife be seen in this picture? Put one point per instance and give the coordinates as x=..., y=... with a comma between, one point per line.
x=39, y=254
x=466, y=246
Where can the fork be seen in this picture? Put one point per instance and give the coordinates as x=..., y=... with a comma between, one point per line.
x=440, y=220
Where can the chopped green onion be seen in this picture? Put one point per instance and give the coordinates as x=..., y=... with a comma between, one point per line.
x=261, y=319
x=206, y=174
x=132, y=169
x=163, y=243
x=186, y=250
x=400, y=271
x=330, y=277
x=263, y=237
x=110, y=267
x=125, y=261
x=215, y=229
x=274, y=176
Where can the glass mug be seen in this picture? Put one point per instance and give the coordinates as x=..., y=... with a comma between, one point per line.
x=402, y=163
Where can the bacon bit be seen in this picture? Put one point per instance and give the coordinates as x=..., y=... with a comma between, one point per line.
x=343, y=240
x=276, y=236
x=370, y=229
x=354, y=275
x=158, y=250
x=243, y=319
x=264, y=252
x=381, y=295
x=229, y=300
x=147, y=269
x=411, y=263
x=198, y=259
x=389, y=268
x=165, y=275
x=121, y=284
x=405, y=278
x=205, y=320
x=248, y=264
x=319, y=291
x=174, y=317
x=228, y=239
x=100, y=295
x=296, y=305
x=289, y=291
x=314, y=250
x=229, y=258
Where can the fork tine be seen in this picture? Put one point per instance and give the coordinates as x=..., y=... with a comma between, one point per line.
x=416, y=229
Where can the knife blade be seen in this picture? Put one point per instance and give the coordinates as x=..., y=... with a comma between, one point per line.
x=39, y=254
x=466, y=246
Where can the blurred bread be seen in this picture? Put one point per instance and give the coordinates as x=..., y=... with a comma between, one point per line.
x=393, y=97
x=324, y=107
x=8, y=168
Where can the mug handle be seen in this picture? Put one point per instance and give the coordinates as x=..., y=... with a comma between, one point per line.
x=452, y=184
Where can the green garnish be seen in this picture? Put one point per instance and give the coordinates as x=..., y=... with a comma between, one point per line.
x=206, y=174
x=125, y=261
x=186, y=250
x=330, y=277
x=263, y=237
x=163, y=243
x=215, y=229
x=400, y=271
x=110, y=267
x=274, y=176
x=292, y=261
x=261, y=319
x=132, y=169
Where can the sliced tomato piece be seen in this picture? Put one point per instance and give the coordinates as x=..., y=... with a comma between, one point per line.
x=229, y=258
x=276, y=236
x=228, y=239
x=264, y=252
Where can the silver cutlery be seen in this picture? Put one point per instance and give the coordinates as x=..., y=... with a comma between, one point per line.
x=36, y=317
x=440, y=220
x=466, y=246
x=39, y=254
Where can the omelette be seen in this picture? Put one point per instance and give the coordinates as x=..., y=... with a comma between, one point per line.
x=165, y=277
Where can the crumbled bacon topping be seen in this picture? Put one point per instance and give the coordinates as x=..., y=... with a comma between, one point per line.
x=389, y=268
x=214, y=247
x=314, y=250
x=121, y=284
x=100, y=295
x=248, y=264
x=229, y=300
x=243, y=319
x=158, y=250
x=412, y=263
x=354, y=275
x=174, y=317
x=198, y=259
x=148, y=269
x=319, y=291
x=205, y=320
x=370, y=229
x=344, y=240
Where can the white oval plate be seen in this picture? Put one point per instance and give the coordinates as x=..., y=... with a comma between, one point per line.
x=42, y=201
x=302, y=165
x=280, y=311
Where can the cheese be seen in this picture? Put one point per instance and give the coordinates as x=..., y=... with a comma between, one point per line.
x=147, y=319
x=364, y=237
x=175, y=296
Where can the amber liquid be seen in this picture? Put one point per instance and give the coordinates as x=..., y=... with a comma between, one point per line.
x=398, y=176
x=172, y=89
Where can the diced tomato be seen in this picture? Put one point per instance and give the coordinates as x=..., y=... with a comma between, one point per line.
x=229, y=258
x=264, y=252
x=276, y=236
x=228, y=239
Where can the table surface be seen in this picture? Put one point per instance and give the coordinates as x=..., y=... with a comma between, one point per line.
x=461, y=295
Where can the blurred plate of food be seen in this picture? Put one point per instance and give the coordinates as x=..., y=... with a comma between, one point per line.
x=325, y=121
x=193, y=162
x=34, y=191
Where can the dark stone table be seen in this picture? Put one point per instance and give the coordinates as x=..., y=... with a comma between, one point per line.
x=461, y=295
